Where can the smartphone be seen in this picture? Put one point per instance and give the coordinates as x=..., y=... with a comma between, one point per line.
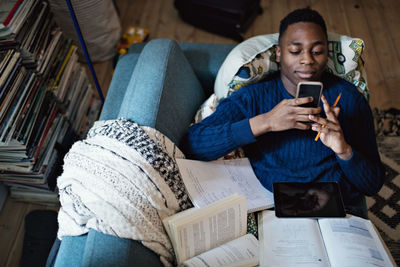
x=309, y=200
x=314, y=89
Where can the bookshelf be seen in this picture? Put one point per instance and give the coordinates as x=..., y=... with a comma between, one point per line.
x=46, y=100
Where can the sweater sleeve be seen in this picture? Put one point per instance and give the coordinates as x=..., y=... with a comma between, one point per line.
x=223, y=131
x=364, y=169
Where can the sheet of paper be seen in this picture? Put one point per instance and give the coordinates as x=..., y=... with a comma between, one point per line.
x=288, y=242
x=243, y=251
x=207, y=182
x=353, y=241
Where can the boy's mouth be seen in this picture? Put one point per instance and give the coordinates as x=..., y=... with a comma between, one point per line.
x=305, y=74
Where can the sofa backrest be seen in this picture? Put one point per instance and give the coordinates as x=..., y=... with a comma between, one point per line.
x=206, y=59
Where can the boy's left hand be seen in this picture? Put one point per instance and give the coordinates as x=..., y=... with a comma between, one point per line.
x=331, y=133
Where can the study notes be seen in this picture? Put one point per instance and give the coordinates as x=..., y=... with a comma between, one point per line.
x=209, y=181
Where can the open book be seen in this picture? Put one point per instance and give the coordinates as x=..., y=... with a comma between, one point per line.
x=335, y=242
x=209, y=181
x=214, y=235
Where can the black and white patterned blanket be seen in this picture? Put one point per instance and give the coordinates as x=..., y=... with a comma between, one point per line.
x=122, y=180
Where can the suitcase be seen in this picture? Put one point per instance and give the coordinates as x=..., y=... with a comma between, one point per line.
x=229, y=18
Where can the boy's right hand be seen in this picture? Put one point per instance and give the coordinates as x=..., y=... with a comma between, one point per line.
x=284, y=116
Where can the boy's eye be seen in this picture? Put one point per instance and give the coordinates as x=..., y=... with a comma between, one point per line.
x=294, y=52
x=317, y=52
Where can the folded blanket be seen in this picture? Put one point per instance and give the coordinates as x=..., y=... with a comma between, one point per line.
x=122, y=180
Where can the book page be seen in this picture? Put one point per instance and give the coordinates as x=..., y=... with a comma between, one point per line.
x=200, y=229
x=288, y=242
x=207, y=182
x=353, y=241
x=243, y=251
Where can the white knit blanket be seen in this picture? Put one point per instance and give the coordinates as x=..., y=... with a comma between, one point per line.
x=122, y=180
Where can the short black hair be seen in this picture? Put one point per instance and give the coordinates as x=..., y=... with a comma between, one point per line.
x=302, y=15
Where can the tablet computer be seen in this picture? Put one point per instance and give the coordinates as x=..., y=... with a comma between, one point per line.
x=316, y=199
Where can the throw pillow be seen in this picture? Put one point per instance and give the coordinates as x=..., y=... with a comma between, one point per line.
x=253, y=50
x=345, y=60
x=254, y=59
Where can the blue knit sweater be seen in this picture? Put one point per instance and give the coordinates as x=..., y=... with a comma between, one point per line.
x=293, y=155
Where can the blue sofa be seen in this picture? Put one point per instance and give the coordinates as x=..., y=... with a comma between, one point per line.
x=160, y=84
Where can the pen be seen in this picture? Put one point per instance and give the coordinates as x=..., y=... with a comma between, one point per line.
x=323, y=126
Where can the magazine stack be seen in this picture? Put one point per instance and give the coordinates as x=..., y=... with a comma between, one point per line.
x=46, y=100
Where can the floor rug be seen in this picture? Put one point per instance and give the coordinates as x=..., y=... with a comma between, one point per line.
x=384, y=208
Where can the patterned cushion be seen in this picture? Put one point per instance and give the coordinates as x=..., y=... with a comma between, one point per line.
x=261, y=66
x=253, y=56
x=254, y=59
x=345, y=60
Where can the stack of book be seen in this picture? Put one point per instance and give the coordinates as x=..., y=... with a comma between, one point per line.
x=45, y=99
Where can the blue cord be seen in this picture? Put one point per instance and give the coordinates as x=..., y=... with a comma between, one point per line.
x=85, y=51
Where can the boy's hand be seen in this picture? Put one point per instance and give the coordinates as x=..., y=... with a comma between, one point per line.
x=331, y=131
x=284, y=116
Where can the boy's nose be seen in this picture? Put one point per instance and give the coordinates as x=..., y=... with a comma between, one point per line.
x=307, y=58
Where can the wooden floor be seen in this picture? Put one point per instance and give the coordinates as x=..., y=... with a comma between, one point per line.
x=377, y=22
x=12, y=230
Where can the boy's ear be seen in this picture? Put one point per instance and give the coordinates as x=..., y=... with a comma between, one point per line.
x=278, y=53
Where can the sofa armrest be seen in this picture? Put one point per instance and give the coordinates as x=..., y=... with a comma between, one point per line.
x=164, y=92
x=119, y=83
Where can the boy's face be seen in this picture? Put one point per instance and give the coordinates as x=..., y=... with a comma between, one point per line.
x=302, y=53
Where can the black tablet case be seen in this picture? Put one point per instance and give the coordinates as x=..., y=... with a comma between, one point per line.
x=229, y=18
x=333, y=208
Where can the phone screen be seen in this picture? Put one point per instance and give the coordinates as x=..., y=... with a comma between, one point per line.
x=317, y=199
x=310, y=89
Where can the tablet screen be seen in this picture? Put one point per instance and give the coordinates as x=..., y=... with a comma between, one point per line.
x=317, y=199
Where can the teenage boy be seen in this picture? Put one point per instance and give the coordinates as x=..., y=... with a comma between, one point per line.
x=268, y=122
